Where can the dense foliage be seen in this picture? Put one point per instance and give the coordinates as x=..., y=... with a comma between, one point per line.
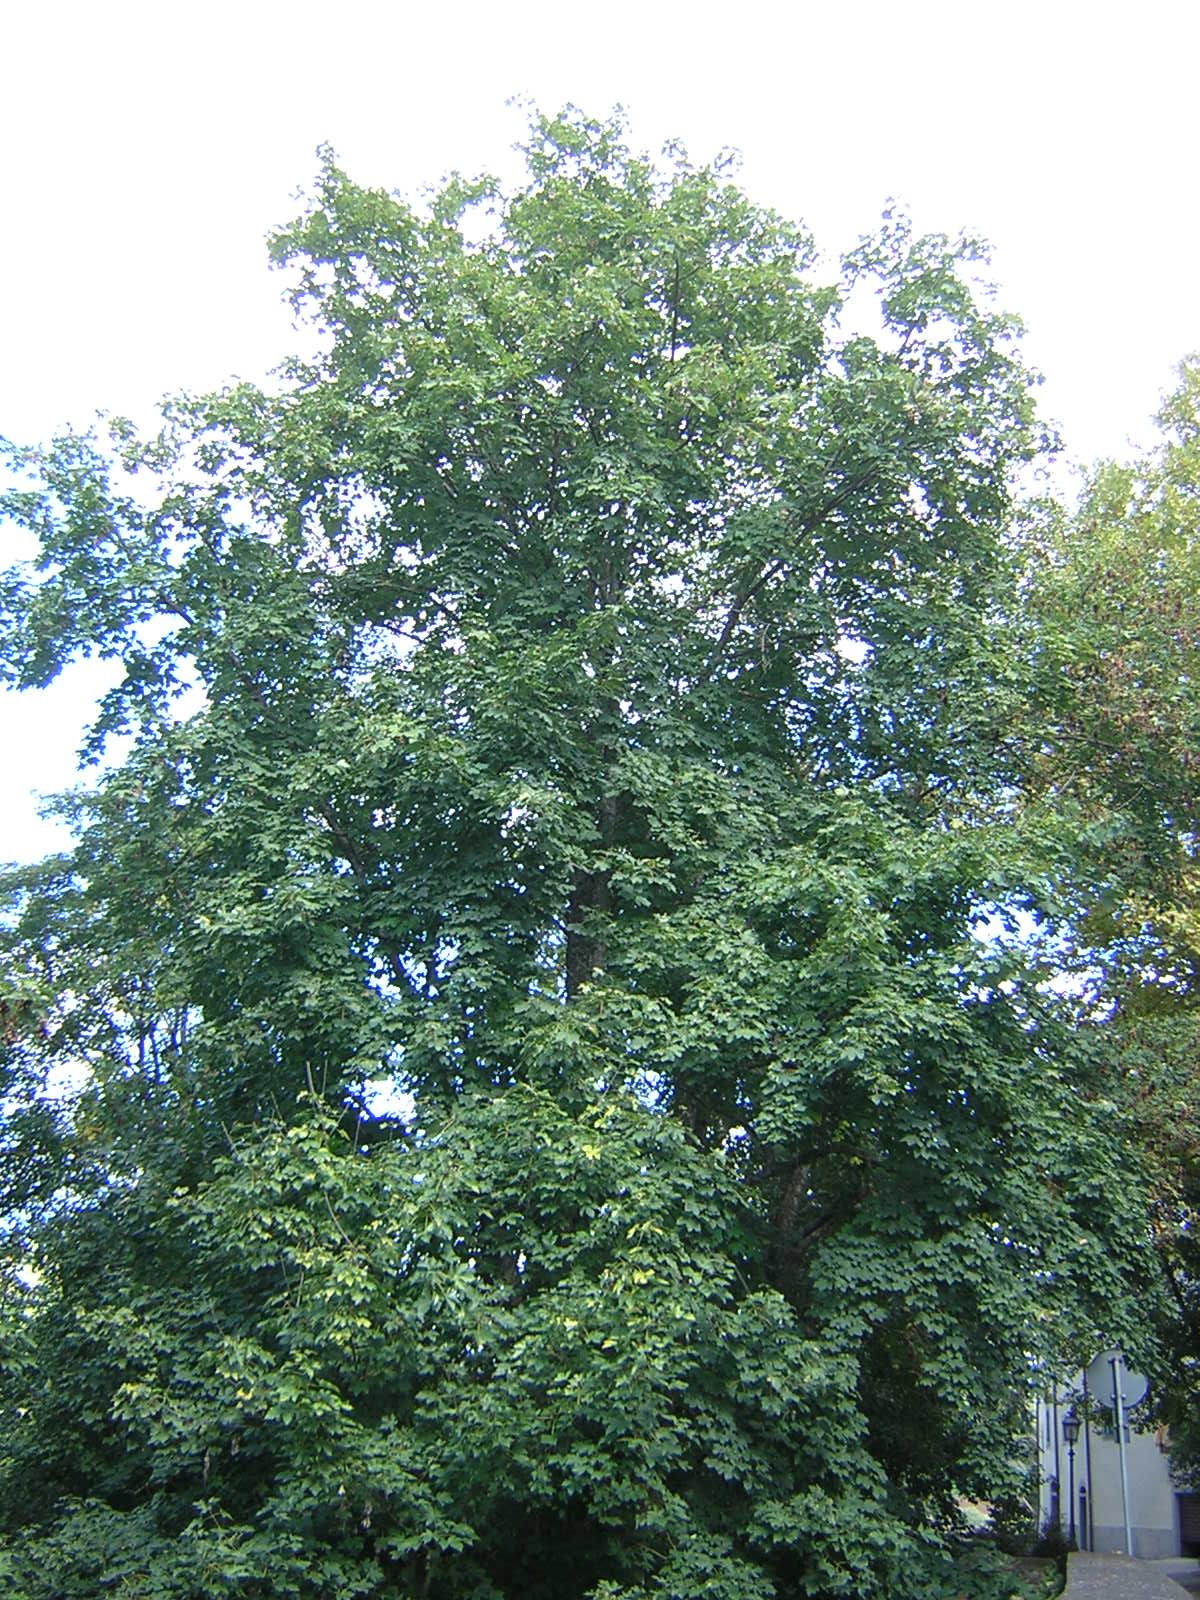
x=1115, y=590
x=509, y=1095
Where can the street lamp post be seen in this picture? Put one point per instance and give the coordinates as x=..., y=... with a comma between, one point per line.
x=1070, y=1429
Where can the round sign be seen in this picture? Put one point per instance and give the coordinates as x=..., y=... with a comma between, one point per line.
x=1134, y=1387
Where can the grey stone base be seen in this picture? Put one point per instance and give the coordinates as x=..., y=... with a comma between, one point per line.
x=1149, y=1544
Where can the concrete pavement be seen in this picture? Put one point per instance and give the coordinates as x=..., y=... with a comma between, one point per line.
x=1093, y=1577
x=1184, y=1570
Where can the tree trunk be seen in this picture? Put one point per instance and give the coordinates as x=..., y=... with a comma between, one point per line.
x=592, y=892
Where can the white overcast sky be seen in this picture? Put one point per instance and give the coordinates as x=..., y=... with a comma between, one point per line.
x=149, y=148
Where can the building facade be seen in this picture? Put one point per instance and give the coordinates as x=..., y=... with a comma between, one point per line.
x=1163, y=1520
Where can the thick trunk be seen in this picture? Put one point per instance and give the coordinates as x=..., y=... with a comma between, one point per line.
x=591, y=893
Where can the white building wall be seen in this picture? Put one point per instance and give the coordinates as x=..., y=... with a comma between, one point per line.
x=1153, y=1504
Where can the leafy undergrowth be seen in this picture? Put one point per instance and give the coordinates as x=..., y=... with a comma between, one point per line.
x=986, y=1572
x=1038, y=1576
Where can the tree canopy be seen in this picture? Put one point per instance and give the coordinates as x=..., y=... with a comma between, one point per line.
x=1115, y=590
x=536, y=1078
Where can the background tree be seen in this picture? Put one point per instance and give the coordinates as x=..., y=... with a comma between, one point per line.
x=606, y=674
x=1114, y=593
